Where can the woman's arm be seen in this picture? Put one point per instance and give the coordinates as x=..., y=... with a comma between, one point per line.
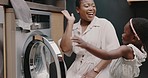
x=66, y=44
x=94, y=72
x=101, y=65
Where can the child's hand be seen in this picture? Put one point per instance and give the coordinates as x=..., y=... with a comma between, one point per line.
x=69, y=17
x=80, y=43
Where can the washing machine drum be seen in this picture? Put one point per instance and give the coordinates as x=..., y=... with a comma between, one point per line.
x=41, y=60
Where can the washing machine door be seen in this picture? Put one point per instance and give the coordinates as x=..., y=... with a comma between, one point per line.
x=41, y=59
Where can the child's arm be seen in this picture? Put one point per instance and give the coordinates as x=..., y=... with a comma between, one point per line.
x=122, y=51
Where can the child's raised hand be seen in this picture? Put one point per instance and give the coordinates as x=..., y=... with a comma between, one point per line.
x=80, y=43
x=68, y=16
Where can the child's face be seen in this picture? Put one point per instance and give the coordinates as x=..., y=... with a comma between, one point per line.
x=127, y=35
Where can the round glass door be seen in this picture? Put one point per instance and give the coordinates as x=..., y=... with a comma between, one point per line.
x=39, y=62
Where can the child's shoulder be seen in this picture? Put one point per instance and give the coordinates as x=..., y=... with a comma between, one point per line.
x=126, y=51
x=125, y=48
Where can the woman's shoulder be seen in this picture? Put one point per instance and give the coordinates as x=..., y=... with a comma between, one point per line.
x=76, y=25
x=101, y=19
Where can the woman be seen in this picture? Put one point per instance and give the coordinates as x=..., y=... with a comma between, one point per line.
x=96, y=31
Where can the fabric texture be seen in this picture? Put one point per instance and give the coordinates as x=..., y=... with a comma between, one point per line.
x=123, y=68
x=100, y=33
x=22, y=10
x=2, y=14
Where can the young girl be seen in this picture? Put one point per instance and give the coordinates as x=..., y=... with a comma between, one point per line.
x=130, y=55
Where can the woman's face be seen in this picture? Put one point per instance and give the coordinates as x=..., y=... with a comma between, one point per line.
x=128, y=35
x=87, y=10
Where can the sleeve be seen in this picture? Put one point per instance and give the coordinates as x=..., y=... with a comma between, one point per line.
x=110, y=39
x=67, y=53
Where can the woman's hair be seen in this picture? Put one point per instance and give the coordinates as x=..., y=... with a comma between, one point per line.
x=78, y=2
x=141, y=27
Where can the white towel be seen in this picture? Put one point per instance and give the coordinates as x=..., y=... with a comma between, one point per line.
x=1, y=14
x=43, y=74
x=22, y=13
x=23, y=25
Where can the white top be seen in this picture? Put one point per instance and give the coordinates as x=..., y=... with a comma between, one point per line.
x=123, y=68
x=99, y=33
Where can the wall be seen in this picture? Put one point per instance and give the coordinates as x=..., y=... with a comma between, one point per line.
x=140, y=9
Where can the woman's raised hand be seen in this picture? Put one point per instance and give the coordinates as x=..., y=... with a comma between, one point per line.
x=69, y=17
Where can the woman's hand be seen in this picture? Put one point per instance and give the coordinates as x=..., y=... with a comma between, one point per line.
x=69, y=17
x=90, y=74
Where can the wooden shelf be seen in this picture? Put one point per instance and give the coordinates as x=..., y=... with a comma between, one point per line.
x=133, y=1
x=60, y=5
x=136, y=0
x=44, y=7
x=4, y=2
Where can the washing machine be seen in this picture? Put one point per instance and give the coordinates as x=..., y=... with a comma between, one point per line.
x=2, y=42
x=35, y=55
